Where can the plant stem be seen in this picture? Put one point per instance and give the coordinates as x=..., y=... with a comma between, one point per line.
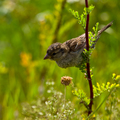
x=88, y=65
x=65, y=98
x=59, y=19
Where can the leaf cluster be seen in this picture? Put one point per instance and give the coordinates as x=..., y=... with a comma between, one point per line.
x=82, y=18
x=97, y=90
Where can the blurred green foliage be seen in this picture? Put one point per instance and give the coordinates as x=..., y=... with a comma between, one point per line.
x=27, y=28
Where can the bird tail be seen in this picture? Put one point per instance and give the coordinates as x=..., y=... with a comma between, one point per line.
x=99, y=33
x=104, y=28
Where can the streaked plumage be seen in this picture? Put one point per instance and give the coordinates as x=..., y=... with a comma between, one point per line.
x=68, y=54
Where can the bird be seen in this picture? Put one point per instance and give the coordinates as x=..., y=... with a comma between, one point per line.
x=69, y=53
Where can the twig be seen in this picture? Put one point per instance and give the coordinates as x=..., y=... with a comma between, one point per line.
x=88, y=65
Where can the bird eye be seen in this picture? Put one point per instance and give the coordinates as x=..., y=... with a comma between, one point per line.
x=62, y=50
x=54, y=54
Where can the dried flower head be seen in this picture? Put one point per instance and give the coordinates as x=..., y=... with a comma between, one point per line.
x=66, y=80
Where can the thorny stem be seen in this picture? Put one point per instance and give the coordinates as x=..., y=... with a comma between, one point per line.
x=88, y=65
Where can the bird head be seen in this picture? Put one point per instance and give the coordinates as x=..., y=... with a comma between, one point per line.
x=55, y=52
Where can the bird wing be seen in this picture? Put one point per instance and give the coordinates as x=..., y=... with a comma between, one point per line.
x=77, y=43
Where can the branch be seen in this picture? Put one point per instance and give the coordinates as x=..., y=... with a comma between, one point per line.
x=88, y=65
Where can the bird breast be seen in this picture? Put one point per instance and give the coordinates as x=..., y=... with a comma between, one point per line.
x=70, y=60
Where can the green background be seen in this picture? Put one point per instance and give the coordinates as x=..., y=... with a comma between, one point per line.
x=27, y=29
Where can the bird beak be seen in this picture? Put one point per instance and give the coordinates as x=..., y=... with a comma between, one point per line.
x=47, y=57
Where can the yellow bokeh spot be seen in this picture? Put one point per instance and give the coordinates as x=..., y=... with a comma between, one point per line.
x=117, y=77
x=58, y=7
x=93, y=116
x=25, y=59
x=3, y=69
x=108, y=83
x=113, y=74
x=117, y=85
x=59, y=0
x=42, y=36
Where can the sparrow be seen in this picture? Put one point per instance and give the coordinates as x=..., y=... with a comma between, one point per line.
x=69, y=53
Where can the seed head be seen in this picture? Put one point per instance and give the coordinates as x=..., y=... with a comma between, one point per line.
x=66, y=80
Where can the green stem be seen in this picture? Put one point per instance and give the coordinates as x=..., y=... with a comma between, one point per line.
x=99, y=105
x=65, y=97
